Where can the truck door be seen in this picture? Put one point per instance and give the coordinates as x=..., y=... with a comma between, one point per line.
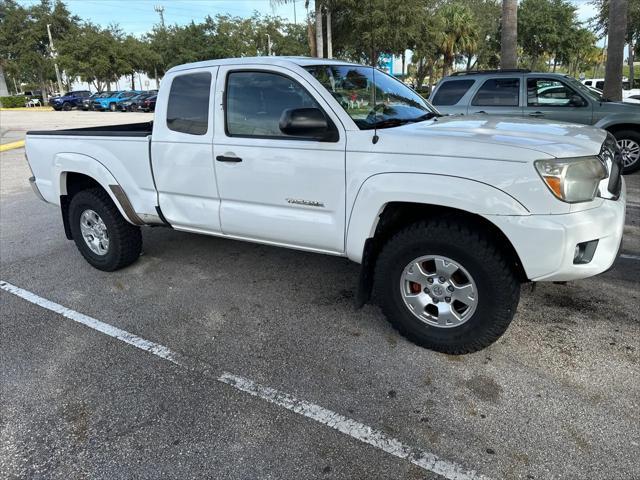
x=181, y=150
x=552, y=99
x=276, y=188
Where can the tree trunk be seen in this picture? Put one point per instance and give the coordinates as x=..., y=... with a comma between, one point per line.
x=631, y=59
x=555, y=63
x=311, y=38
x=430, y=75
x=329, y=35
x=4, y=91
x=319, y=41
x=615, y=50
x=509, y=41
x=403, y=63
x=133, y=81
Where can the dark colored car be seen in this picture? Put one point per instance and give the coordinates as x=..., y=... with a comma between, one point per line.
x=87, y=102
x=69, y=100
x=132, y=104
x=148, y=104
x=34, y=94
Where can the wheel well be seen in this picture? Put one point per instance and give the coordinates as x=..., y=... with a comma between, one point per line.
x=623, y=126
x=397, y=215
x=76, y=182
x=73, y=183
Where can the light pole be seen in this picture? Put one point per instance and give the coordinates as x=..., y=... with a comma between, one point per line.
x=160, y=10
x=54, y=55
x=268, y=44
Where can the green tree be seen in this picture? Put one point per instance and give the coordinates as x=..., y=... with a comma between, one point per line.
x=459, y=34
x=24, y=43
x=542, y=29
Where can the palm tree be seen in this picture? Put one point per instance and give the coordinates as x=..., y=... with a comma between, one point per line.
x=458, y=34
x=509, y=43
x=615, y=51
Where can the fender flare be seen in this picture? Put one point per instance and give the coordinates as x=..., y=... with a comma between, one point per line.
x=377, y=191
x=618, y=119
x=64, y=163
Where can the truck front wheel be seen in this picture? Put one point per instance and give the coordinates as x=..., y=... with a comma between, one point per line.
x=446, y=286
x=105, y=239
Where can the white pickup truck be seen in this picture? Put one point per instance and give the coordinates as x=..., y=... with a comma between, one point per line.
x=447, y=216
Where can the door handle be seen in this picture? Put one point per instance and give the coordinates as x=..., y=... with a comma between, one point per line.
x=225, y=158
x=481, y=111
x=536, y=114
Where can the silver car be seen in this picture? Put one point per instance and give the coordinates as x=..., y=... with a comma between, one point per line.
x=548, y=96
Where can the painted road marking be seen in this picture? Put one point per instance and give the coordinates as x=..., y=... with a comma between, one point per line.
x=630, y=257
x=11, y=146
x=354, y=429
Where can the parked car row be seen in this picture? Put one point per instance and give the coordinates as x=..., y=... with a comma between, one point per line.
x=125, y=100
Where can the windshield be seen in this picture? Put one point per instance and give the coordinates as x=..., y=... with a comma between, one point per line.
x=582, y=88
x=386, y=102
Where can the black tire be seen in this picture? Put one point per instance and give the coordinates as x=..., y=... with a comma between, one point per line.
x=634, y=137
x=66, y=106
x=125, y=240
x=112, y=107
x=498, y=287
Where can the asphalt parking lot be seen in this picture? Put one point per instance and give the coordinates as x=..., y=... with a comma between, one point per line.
x=558, y=396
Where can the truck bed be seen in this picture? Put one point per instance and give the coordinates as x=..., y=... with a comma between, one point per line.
x=112, y=155
x=127, y=130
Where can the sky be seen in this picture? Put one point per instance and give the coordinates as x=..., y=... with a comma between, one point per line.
x=138, y=16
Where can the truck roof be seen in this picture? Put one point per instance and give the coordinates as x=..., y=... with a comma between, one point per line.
x=282, y=61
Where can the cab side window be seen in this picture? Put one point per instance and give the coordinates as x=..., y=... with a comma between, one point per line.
x=498, y=92
x=255, y=102
x=188, y=106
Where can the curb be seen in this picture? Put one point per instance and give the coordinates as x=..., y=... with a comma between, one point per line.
x=11, y=146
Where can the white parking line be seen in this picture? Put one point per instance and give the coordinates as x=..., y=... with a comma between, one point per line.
x=357, y=430
x=363, y=433
x=630, y=257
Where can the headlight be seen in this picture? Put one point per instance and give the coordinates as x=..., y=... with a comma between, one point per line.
x=572, y=180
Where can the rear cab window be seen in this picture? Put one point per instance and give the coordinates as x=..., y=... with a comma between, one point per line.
x=188, y=105
x=451, y=91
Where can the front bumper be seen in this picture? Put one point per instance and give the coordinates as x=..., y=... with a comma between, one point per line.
x=546, y=244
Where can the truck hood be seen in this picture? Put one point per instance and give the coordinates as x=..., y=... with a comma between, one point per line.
x=473, y=135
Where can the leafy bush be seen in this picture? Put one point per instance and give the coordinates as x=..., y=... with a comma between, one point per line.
x=13, y=101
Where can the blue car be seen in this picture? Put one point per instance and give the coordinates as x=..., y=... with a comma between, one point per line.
x=69, y=100
x=111, y=102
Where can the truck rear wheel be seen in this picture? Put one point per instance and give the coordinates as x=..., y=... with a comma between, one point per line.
x=105, y=239
x=446, y=287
